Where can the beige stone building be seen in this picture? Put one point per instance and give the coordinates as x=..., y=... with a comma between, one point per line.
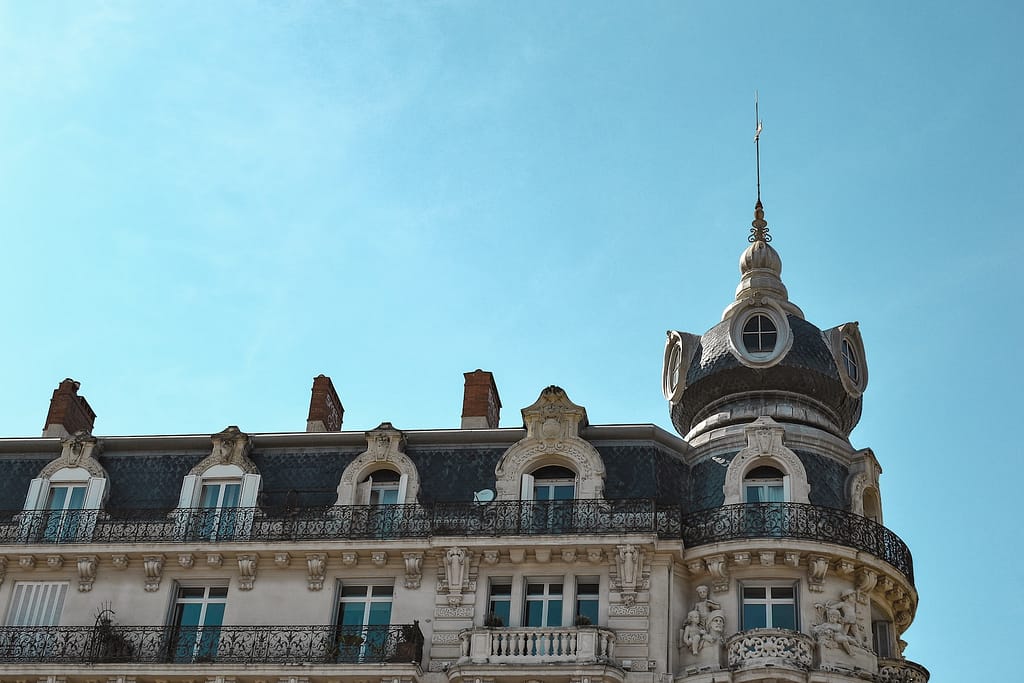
x=747, y=547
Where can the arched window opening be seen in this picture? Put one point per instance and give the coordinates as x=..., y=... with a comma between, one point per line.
x=549, y=483
x=385, y=487
x=850, y=361
x=872, y=506
x=765, y=484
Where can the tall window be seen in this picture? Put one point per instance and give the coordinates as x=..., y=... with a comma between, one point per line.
x=769, y=606
x=198, y=616
x=63, y=516
x=543, y=603
x=588, y=600
x=37, y=603
x=219, y=503
x=764, y=485
x=759, y=334
x=364, y=614
x=499, y=604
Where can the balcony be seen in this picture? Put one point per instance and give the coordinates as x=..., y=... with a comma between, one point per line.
x=901, y=671
x=115, y=644
x=540, y=645
x=498, y=519
x=770, y=647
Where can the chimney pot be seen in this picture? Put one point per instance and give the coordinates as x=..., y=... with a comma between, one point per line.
x=69, y=413
x=325, y=409
x=481, y=406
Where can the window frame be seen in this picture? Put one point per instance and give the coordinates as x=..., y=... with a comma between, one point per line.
x=546, y=599
x=737, y=334
x=768, y=602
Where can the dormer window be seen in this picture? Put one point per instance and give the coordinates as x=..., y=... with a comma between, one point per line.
x=760, y=334
x=764, y=485
x=385, y=487
x=550, y=483
x=850, y=361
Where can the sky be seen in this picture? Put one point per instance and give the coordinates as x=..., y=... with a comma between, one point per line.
x=204, y=205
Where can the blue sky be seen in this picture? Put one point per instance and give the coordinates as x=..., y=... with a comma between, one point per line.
x=203, y=205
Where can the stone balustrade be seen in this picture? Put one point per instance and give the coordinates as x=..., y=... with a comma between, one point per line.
x=901, y=671
x=579, y=645
x=770, y=647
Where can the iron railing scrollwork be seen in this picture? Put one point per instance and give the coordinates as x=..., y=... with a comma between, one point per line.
x=496, y=518
x=111, y=643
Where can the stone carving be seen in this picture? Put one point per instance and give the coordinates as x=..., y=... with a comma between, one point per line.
x=349, y=558
x=553, y=424
x=379, y=558
x=631, y=637
x=845, y=567
x=629, y=561
x=715, y=635
x=767, y=558
x=439, y=665
x=86, y=572
x=215, y=560
x=792, y=560
x=78, y=450
x=26, y=562
x=765, y=447
x=445, y=638
x=247, y=571
x=866, y=581
x=230, y=447
x=542, y=555
x=817, y=567
x=693, y=634
x=413, y=569
x=3, y=569
x=900, y=673
x=491, y=557
x=696, y=567
x=595, y=555
x=517, y=555
x=186, y=560
x=793, y=649
x=54, y=561
x=634, y=610
x=568, y=555
x=316, y=569
x=153, y=568
x=282, y=560
x=704, y=607
x=704, y=627
x=838, y=623
x=385, y=444
x=119, y=561
x=719, y=571
x=453, y=612
x=455, y=572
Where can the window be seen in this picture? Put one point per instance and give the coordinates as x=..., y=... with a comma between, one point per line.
x=384, y=486
x=881, y=639
x=759, y=334
x=64, y=516
x=769, y=606
x=37, y=603
x=364, y=615
x=850, y=361
x=588, y=600
x=198, y=616
x=764, y=485
x=554, y=483
x=543, y=603
x=219, y=515
x=499, y=604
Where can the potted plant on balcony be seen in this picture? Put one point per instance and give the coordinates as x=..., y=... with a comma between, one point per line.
x=492, y=620
x=582, y=620
x=345, y=647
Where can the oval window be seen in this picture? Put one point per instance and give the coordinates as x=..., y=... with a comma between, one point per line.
x=760, y=334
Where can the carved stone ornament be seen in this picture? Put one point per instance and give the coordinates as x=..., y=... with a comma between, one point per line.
x=316, y=568
x=349, y=558
x=595, y=555
x=765, y=448
x=866, y=581
x=455, y=570
x=247, y=571
x=119, y=561
x=542, y=555
x=839, y=621
x=186, y=560
x=817, y=568
x=491, y=557
x=3, y=569
x=54, y=561
x=719, y=571
x=629, y=563
x=413, y=569
x=26, y=561
x=153, y=569
x=379, y=558
x=78, y=450
x=385, y=445
x=86, y=572
x=230, y=447
x=568, y=555
x=553, y=424
x=215, y=560
x=282, y=560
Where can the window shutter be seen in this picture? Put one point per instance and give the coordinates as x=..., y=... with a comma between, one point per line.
x=363, y=492
x=403, y=486
x=250, y=489
x=36, y=487
x=189, y=483
x=36, y=603
x=94, y=491
x=526, y=491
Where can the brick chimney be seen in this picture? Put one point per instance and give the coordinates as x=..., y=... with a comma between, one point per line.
x=69, y=412
x=325, y=409
x=481, y=406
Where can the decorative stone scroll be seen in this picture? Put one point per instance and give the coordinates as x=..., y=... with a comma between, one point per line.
x=86, y=572
x=153, y=569
x=456, y=572
x=817, y=568
x=413, y=569
x=78, y=450
x=719, y=571
x=316, y=570
x=230, y=447
x=247, y=571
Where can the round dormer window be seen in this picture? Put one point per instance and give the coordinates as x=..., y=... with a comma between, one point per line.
x=759, y=335
x=850, y=361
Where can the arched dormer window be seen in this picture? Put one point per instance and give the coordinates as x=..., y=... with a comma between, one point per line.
x=382, y=487
x=381, y=475
x=219, y=494
x=549, y=483
x=62, y=503
x=765, y=468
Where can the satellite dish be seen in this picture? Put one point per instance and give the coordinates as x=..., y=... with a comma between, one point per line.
x=485, y=496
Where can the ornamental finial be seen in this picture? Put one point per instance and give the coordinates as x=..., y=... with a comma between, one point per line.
x=759, y=231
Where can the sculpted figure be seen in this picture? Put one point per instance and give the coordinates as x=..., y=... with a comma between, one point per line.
x=693, y=634
x=715, y=635
x=704, y=606
x=628, y=556
x=832, y=633
x=455, y=560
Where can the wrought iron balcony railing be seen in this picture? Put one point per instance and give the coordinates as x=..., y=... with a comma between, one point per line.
x=498, y=518
x=111, y=643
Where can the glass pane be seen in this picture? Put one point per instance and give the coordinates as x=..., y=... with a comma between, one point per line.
x=192, y=592
x=784, y=616
x=565, y=492
x=189, y=614
x=380, y=614
x=755, y=592
x=210, y=496
x=384, y=497
x=502, y=609
x=542, y=492
x=351, y=613
x=535, y=589
x=221, y=592
x=587, y=607
x=214, y=614
x=534, y=613
x=782, y=592
x=232, y=492
x=754, y=617
x=354, y=591
x=77, y=498
x=57, y=496
x=753, y=494
x=554, y=589
x=554, y=612
x=382, y=591
x=501, y=589
x=775, y=494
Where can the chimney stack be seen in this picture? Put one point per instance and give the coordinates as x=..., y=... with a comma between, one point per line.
x=69, y=413
x=481, y=407
x=325, y=409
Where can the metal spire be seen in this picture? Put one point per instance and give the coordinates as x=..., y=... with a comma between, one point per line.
x=759, y=231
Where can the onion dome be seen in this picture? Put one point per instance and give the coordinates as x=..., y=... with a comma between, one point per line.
x=764, y=358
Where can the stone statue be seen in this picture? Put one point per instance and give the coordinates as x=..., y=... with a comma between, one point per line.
x=832, y=633
x=629, y=561
x=455, y=563
x=693, y=634
x=704, y=606
x=845, y=609
x=715, y=635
